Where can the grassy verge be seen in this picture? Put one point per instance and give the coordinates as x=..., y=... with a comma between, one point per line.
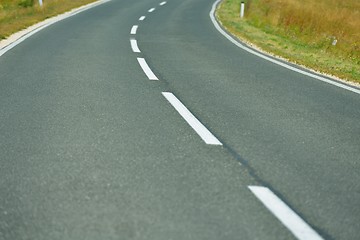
x=322, y=35
x=16, y=15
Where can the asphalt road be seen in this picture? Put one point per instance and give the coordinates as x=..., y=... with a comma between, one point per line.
x=90, y=148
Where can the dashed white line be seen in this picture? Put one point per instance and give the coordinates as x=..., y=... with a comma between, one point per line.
x=151, y=10
x=199, y=128
x=162, y=3
x=134, y=46
x=286, y=215
x=134, y=29
x=145, y=67
x=142, y=18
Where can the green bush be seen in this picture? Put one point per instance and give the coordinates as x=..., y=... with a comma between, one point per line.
x=26, y=3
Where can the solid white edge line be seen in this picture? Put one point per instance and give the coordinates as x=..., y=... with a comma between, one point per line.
x=198, y=127
x=145, y=67
x=231, y=39
x=142, y=18
x=151, y=10
x=134, y=46
x=162, y=3
x=49, y=22
x=134, y=29
x=286, y=215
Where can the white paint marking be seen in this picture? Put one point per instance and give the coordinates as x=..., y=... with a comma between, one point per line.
x=286, y=215
x=134, y=29
x=231, y=39
x=145, y=67
x=162, y=3
x=23, y=35
x=151, y=10
x=134, y=46
x=142, y=18
x=199, y=128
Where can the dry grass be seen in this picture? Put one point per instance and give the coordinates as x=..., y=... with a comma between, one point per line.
x=317, y=23
x=16, y=15
x=302, y=31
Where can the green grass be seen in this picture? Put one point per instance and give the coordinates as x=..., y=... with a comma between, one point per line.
x=16, y=15
x=301, y=31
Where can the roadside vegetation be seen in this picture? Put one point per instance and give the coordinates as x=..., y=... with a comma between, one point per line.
x=323, y=35
x=16, y=15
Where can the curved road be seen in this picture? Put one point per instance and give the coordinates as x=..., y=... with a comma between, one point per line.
x=139, y=120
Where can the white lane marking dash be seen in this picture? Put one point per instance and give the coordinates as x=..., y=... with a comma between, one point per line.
x=134, y=46
x=151, y=10
x=134, y=29
x=142, y=18
x=286, y=215
x=145, y=67
x=199, y=128
x=162, y=3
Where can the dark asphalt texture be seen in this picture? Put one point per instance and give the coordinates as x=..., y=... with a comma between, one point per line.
x=90, y=149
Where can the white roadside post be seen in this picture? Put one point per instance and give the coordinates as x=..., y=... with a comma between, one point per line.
x=242, y=9
x=40, y=3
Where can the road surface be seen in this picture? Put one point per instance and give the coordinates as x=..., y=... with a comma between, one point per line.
x=139, y=120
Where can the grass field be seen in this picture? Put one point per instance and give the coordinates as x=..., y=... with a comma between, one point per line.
x=322, y=34
x=16, y=15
